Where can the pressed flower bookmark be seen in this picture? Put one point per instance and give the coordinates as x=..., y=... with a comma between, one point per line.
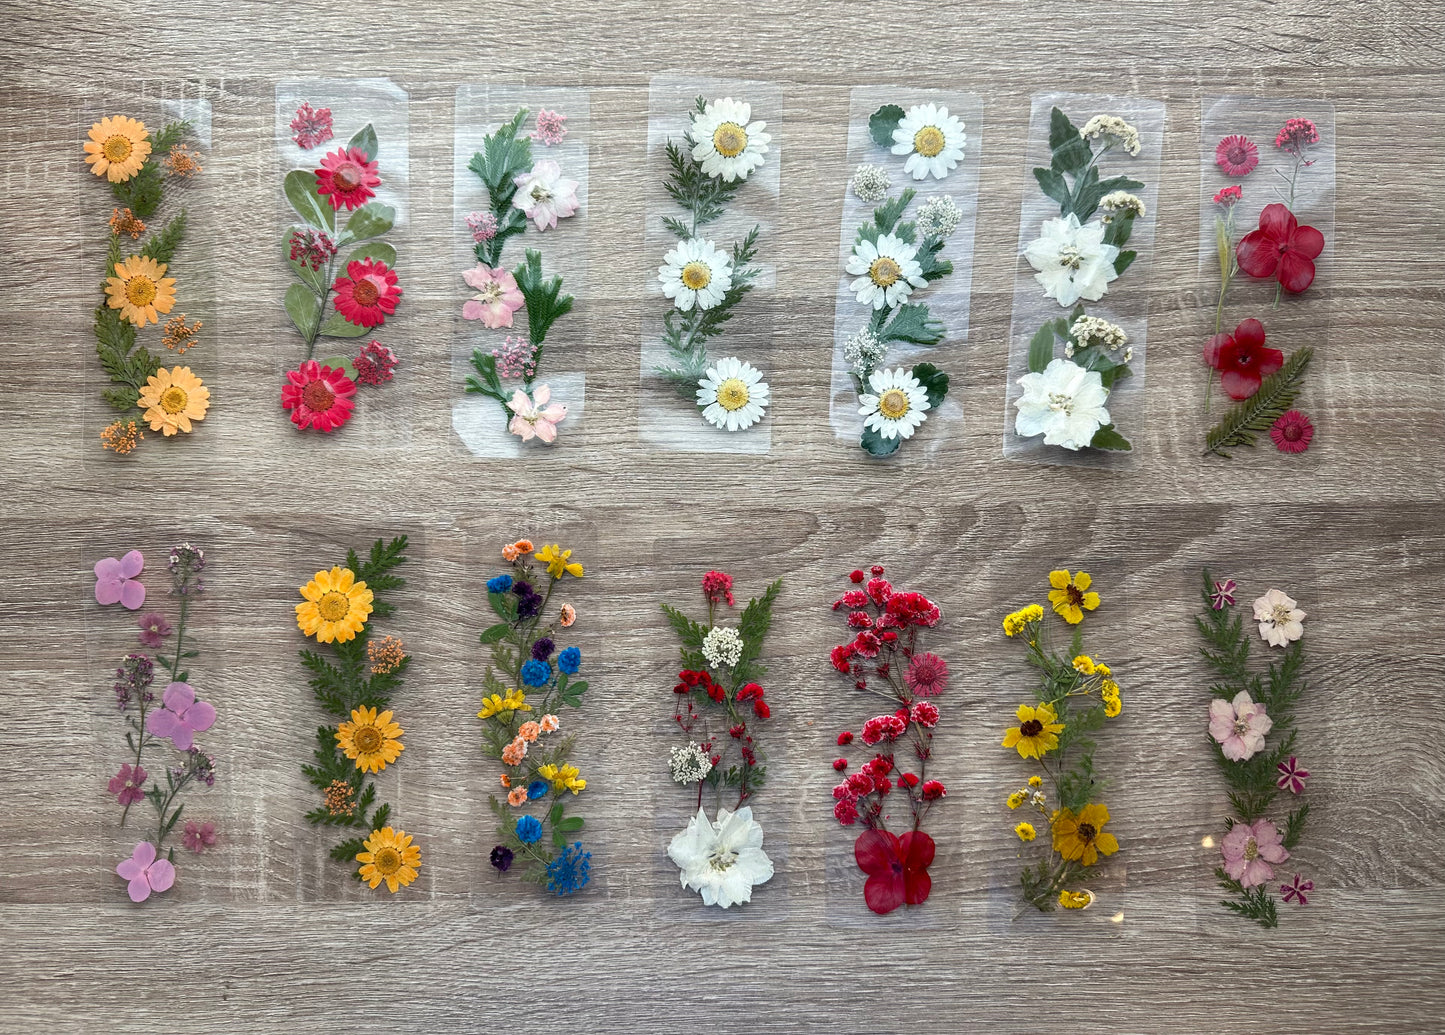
x=344, y=149
x=713, y=159
x=1077, y=343
x=521, y=231
x=907, y=262
x=1267, y=213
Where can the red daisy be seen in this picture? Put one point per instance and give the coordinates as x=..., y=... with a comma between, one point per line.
x=1236, y=155
x=1281, y=248
x=318, y=397
x=897, y=868
x=1242, y=359
x=1292, y=434
x=368, y=294
x=347, y=178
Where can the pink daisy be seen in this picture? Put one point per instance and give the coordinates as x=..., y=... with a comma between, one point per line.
x=927, y=675
x=346, y=178
x=368, y=294
x=1292, y=433
x=318, y=397
x=1236, y=155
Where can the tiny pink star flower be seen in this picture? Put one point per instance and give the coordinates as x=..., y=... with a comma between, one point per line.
x=115, y=581
x=1295, y=890
x=145, y=872
x=1249, y=849
x=1292, y=776
x=199, y=836
x=534, y=417
x=1223, y=594
x=153, y=628
x=1239, y=726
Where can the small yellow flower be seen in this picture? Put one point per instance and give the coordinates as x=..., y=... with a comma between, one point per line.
x=564, y=778
x=140, y=289
x=514, y=701
x=372, y=741
x=117, y=148
x=389, y=856
x=335, y=607
x=1017, y=798
x=1036, y=734
x=1070, y=596
x=1108, y=688
x=1076, y=899
x=556, y=560
x=1084, y=665
x=1102, y=669
x=1025, y=831
x=1082, y=838
x=1015, y=623
x=1036, y=781
x=1112, y=707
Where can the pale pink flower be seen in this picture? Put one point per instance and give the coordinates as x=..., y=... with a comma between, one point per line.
x=497, y=297
x=551, y=127
x=544, y=196
x=1248, y=850
x=1280, y=621
x=1239, y=726
x=145, y=872
x=534, y=417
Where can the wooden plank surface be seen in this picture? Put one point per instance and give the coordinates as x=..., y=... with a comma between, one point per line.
x=267, y=936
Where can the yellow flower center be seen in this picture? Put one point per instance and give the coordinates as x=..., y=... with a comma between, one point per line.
x=173, y=399
x=1070, y=257
x=387, y=861
x=696, y=275
x=1251, y=849
x=540, y=193
x=928, y=141
x=333, y=606
x=365, y=293
x=729, y=139
x=1087, y=833
x=722, y=860
x=732, y=394
x=117, y=148
x=893, y=403
x=367, y=739
x=140, y=290
x=884, y=271
x=1279, y=615
x=1031, y=728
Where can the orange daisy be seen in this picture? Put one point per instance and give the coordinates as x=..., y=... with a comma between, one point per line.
x=117, y=148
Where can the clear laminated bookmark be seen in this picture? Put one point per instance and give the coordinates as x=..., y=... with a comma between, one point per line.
x=1266, y=249
x=519, y=227
x=905, y=264
x=1079, y=334
x=151, y=372
x=714, y=149
x=344, y=370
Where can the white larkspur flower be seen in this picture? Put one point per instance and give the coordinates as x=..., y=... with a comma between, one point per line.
x=722, y=647
x=1280, y=619
x=931, y=138
x=864, y=351
x=725, y=143
x=887, y=271
x=1065, y=404
x=722, y=860
x=695, y=273
x=733, y=395
x=939, y=217
x=544, y=195
x=1072, y=260
x=871, y=183
x=896, y=405
x=689, y=764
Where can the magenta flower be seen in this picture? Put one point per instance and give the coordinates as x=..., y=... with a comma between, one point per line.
x=1292, y=776
x=181, y=716
x=126, y=785
x=1223, y=594
x=927, y=675
x=497, y=297
x=115, y=581
x=311, y=126
x=199, y=836
x=1248, y=850
x=1238, y=726
x=1295, y=890
x=146, y=873
x=153, y=629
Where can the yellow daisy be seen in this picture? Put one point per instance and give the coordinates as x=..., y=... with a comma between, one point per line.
x=1025, y=831
x=336, y=606
x=117, y=148
x=1076, y=899
x=556, y=560
x=1084, y=665
x=140, y=289
x=1112, y=706
x=1070, y=596
x=1016, y=799
x=1082, y=838
x=1015, y=623
x=1036, y=734
x=389, y=856
x=514, y=701
x=369, y=739
x=173, y=398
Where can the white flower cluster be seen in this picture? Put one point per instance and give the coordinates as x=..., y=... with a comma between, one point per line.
x=722, y=647
x=1121, y=201
x=864, y=351
x=1114, y=127
x=1095, y=330
x=939, y=217
x=871, y=183
x=690, y=764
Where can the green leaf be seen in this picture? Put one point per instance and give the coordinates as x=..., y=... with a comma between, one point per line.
x=309, y=205
x=877, y=445
x=303, y=308
x=1041, y=348
x=577, y=688
x=570, y=825
x=313, y=278
x=1124, y=261
x=378, y=250
x=1071, y=153
x=162, y=246
x=495, y=633
x=913, y=323
x=544, y=299
x=365, y=140
x=337, y=326
x=1254, y=415
x=1107, y=438
x=934, y=381
x=1053, y=185
x=1114, y=373
x=882, y=124
x=342, y=363
x=370, y=220
x=490, y=385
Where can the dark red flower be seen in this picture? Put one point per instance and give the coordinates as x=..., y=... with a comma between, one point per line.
x=859, y=620
x=925, y=713
x=750, y=691
x=852, y=600
x=761, y=709
x=1242, y=359
x=877, y=570
x=1292, y=432
x=717, y=692
x=846, y=812
x=1281, y=249
x=932, y=790
x=845, y=738
x=911, y=779
x=883, y=727
x=856, y=576
x=879, y=590
x=840, y=764
x=914, y=609
x=866, y=644
x=860, y=783
x=841, y=656
x=897, y=868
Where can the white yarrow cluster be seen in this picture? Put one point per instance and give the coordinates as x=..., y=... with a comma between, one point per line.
x=1121, y=202
x=871, y=183
x=722, y=647
x=1095, y=330
x=864, y=351
x=1114, y=127
x=939, y=217
x=690, y=764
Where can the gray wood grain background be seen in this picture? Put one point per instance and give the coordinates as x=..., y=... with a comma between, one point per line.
x=267, y=936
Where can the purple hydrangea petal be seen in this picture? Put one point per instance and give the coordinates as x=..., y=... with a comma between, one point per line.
x=178, y=696
x=108, y=568
x=132, y=595
x=164, y=723
x=107, y=590
x=132, y=564
x=200, y=716
x=139, y=889
x=161, y=874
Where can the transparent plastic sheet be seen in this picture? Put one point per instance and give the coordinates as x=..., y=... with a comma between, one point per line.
x=479, y=423
x=1301, y=319
x=1126, y=303
x=156, y=104
x=948, y=300
x=665, y=418
x=382, y=419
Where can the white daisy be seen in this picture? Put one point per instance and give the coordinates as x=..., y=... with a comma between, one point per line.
x=696, y=273
x=723, y=861
x=896, y=405
x=1065, y=404
x=733, y=394
x=725, y=143
x=1072, y=260
x=931, y=138
x=887, y=271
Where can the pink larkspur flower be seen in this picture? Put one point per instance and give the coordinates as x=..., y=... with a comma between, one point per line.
x=927, y=675
x=1249, y=849
x=181, y=716
x=551, y=127
x=1239, y=726
x=544, y=195
x=145, y=872
x=534, y=417
x=497, y=297
x=115, y=581
x=126, y=785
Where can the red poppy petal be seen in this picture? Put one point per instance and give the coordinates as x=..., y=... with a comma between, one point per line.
x=876, y=851
x=1258, y=255
x=1240, y=386
x=1267, y=361
x=916, y=848
x=1296, y=272
x=884, y=892
x=1308, y=241
x=1214, y=347
x=916, y=887
x=1249, y=334
x=1278, y=222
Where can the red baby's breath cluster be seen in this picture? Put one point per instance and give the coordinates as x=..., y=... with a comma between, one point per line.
x=311, y=248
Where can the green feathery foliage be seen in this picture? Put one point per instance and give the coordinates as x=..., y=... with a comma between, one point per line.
x=686, y=334
x=504, y=156
x=1253, y=416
